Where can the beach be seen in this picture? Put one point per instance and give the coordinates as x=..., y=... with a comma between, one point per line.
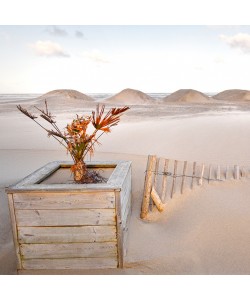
x=205, y=230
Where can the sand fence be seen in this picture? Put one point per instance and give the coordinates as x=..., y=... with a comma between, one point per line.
x=165, y=178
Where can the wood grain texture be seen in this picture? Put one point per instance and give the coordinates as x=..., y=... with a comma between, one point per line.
x=218, y=173
x=70, y=263
x=68, y=200
x=33, y=235
x=68, y=250
x=210, y=173
x=126, y=192
x=183, y=176
x=236, y=172
x=33, y=182
x=65, y=217
x=201, y=175
x=14, y=230
x=174, y=178
x=127, y=214
x=148, y=185
x=157, y=200
x=193, y=176
x=164, y=180
x=119, y=229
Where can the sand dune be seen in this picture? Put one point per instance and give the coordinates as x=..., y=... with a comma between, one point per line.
x=130, y=97
x=65, y=96
x=68, y=94
x=58, y=99
x=233, y=95
x=186, y=95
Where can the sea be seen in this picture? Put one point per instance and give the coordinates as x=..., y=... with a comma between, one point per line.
x=4, y=98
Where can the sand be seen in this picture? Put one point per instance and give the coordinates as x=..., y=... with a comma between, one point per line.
x=204, y=231
x=130, y=97
x=233, y=95
x=188, y=96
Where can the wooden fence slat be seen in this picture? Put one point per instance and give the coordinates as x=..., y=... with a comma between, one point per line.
x=194, y=169
x=218, y=173
x=155, y=178
x=242, y=172
x=209, y=173
x=227, y=172
x=148, y=185
x=202, y=173
x=156, y=172
x=183, y=175
x=157, y=200
x=164, y=180
x=236, y=172
x=174, y=178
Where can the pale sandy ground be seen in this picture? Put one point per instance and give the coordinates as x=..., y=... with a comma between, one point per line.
x=204, y=231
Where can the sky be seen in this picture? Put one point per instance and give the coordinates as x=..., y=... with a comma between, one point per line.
x=109, y=58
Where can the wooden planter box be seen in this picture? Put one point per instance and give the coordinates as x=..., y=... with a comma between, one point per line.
x=71, y=226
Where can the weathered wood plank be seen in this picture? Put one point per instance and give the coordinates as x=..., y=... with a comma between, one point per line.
x=157, y=200
x=174, y=178
x=148, y=185
x=156, y=172
x=37, y=235
x=164, y=180
x=68, y=250
x=126, y=210
x=242, y=172
x=119, y=230
x=210, y=173
x=38, y=175
x=236, y=172
x=70, y=263
x=119, y=174
x=69, y=200
x=32, y=182
x=218, y=173
x=183, y=175
x=202, y=173
x=14, y=230
x=126, y=215
x=126, y=193
x=193, y=176
x=65, y=217
x=227, y=172
x=124, y=226
x=155, y=180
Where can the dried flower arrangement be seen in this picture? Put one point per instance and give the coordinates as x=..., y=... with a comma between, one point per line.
x=75, y=138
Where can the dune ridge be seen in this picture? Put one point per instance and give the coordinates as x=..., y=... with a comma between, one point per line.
x=130, y=97
x=65, y=94
x=186, y=95
x=233, y=95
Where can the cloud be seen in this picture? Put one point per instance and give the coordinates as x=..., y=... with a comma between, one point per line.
x=56, y=31
x=48, y=49
x=79, y=34
x=96, y=56
x=240, y=40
